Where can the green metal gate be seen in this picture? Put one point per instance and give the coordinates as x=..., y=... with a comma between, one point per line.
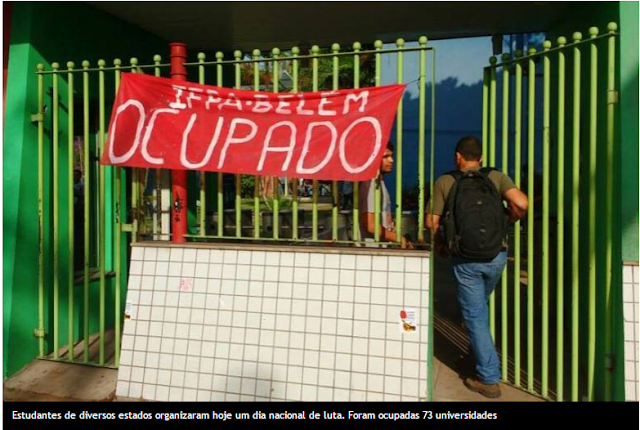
x=574, y=189
x=86, y=222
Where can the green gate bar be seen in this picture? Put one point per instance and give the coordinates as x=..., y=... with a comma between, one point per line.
x=158, y=223
x=256, y=179
x=421, y=134
x=41, y=330
x=101, y=207
x=70, y=176
x=516, y=228
x=357, y=46
x=220, y=175
x=135, y=175
x=203, y=176
x=56, y=204
x=492, y=162
x=531, y=98
x=560, y=243
x=593, y=141
x=398, y=151
x=485, y=114
x=87, y=208
x=315, y=50
x=611, y=102
x=238, y=56
x=335, y=48
x=118, y=231
x=505, y=170
x=546, y=143
x=377, y=190
x=295, y=51
x=575, y=220
x=276, y=179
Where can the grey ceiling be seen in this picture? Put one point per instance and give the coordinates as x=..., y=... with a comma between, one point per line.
x=264, y=25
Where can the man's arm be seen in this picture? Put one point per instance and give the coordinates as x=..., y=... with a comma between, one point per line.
x=367, y=220
x=517, y=203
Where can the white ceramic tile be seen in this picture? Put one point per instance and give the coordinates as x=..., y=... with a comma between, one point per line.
x=176, y=254
x=325, y=394
x=162, y=394
x=202, y=256
x=341, y=395
x=216, y=256
x=414, y=281
x=302, y=259
x=347, y=277
x=396, y=264
x=332, y=261
x=379, y=280
x=272, y=258
x=331, y=277
x=137, y=253
x=348, y=261
x=135, y=390
x=135, y=267
x=286, y=274
x=301, y=275
x=189, y=255
x=175, y=268
x=163, y=254
x=162, y=268
x=316, y=260
x=149, y=268
x=287, y=259
x=175, y=394
x=316, y=276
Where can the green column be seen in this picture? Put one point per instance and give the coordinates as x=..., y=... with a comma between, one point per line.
x=118, y=232
x=87, y=207
x=422, y=100
x=56, y=217
x=335, y=48
x=575, y=219
x=40, y=68
x=295, y=51
x=276, y=179
x=560, y=243
x=220, y=200
x=356, y=185
x=492, y=162
x=101, y=208
x=398, y=152
x=517, y=155
x=256, y=189
x=315, y=50
x=593, y=141
x=203, y=176
x=530, y=214
x=546, y=143
x=377, y=190
x=70, y=243
x=505, y=169
x=237, y=55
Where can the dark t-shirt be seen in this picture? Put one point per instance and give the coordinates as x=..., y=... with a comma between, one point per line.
x=444, y=183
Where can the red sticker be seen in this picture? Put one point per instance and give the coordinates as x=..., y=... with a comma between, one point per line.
x=403, y=315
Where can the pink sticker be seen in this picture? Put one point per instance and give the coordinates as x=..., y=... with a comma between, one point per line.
x=186, y=285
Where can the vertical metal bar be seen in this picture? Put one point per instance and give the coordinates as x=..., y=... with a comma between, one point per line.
x=276, y=179
x=593, y=141
x=117, y=235
x=575, y=219
x=238, y=200
x=256, y=189
x=56, y=218
x=531, y=143
x=546, y=143
x=485, y=115
x=315, y=50
x=560, y=244
x=87, y=207
x=220, y=199
x=505, y=169
x=203, y=176
x=492, y=162
x=101, y=210
x=611, y=102
x=398, y=152
x=377, y=190
x=70, y=196
x=335, y=48
x=422, y=99
x=135, y=180
x=295, y=51
x=432, y=235
x=357, y=46
x=516, y=237
x=157, y=222
x=40, y=68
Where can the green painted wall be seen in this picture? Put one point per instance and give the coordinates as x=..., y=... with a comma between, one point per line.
x=44, y=33
x=629, y=131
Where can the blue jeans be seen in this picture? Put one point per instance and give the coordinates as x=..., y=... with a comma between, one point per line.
x=476, y=281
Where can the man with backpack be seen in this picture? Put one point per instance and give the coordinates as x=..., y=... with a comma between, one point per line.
x=468, y=205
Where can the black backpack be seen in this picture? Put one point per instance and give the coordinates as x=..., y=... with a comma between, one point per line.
x=475, y=222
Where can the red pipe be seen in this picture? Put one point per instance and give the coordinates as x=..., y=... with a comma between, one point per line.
x=178, y=177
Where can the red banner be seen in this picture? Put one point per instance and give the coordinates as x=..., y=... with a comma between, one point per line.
x=330, y=135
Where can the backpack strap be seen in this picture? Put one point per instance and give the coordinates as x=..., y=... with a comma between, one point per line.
x=457, y=174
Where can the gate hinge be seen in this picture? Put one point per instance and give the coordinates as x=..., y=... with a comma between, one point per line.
x=612, y=97
x=37, y=117
x=609, y=362
x=38, y=333
x=126, y=227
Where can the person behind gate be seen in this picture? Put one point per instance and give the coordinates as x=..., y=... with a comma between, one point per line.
x=470, y=223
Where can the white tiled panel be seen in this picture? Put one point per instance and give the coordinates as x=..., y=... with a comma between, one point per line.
x=236, y=324
x=630, y=299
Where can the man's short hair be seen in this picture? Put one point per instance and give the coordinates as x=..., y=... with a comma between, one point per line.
x=390, y=146
x=469, y=148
